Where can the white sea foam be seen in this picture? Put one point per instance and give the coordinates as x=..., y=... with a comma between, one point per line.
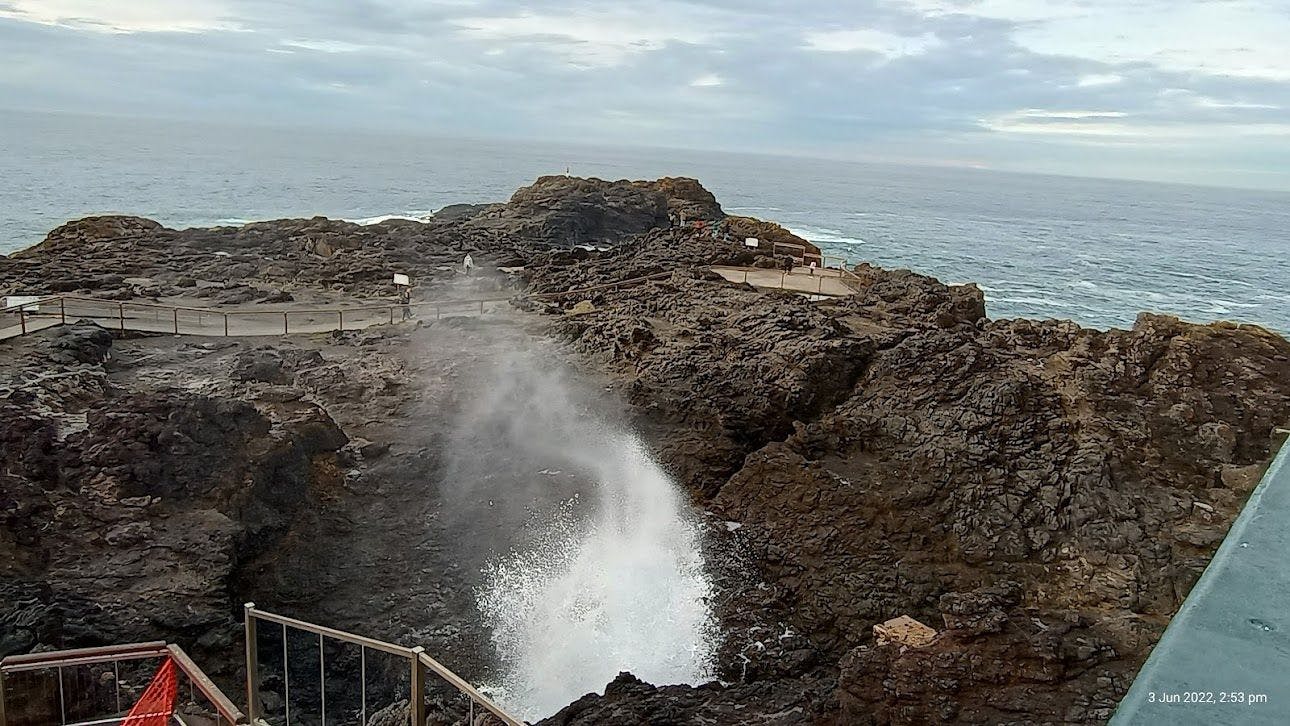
x=624, y=591
x=826, y=236
x=614, y=581
x=1039, y=301
x=419, y=216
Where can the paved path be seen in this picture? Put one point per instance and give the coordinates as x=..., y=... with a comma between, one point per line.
x=823, y=282
x=305, y=318
x=257, y=320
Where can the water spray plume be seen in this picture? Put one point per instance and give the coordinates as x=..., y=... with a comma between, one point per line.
x=609, y=581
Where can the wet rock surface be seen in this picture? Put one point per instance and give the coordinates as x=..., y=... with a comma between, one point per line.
x=1042, y=495
x=126, y=509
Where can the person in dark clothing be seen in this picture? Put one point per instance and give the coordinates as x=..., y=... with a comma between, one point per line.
x=405, y=299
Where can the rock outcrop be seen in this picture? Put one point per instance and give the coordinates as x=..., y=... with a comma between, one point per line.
x=565, y=210
x=126, y=512
x=1042, y=495
x=1050, y=493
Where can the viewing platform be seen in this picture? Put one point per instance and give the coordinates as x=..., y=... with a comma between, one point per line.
x=1225, y=657
x=826, y=281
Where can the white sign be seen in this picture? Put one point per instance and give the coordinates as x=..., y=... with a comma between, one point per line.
x=23, y=300
x=752, y=242
x=402, y=280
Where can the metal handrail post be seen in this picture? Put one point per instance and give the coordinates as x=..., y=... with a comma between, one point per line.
x=285, y=330
x=340, y=320
x=286, y=677
x=120, y=308
x=225, y=325
x=322, y=679
x=3, y=720
x=176, y=311
x=417, y=709
x=62, y=313
x=252, y=663
x=22, y=320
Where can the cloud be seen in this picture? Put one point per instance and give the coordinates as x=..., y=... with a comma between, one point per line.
x=1109, y=124
x=1241, y=38
x=324, y=46
x=1099, y=79
x=123, y=16
x=869, y=40
x=1013, y=83
x=595, y=38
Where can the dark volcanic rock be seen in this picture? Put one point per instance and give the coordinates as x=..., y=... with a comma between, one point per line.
x=124, y=513
x=234, y=265
x=896, y=453
x=564, y=210
x=1042, y=494
x=629, y=700
x=901, y=297
x=92, y=230
x=742, y=228
x=266, y=364
x=78, y=343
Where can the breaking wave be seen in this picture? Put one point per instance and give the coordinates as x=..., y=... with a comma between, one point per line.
x=418, y=216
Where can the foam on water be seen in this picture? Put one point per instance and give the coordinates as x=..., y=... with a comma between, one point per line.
x=826, y=236
x=421, y=216
x=623, y=590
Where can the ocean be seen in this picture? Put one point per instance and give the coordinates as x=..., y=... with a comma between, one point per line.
x=1092, y=250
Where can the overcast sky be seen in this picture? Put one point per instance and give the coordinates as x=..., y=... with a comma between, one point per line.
x=1195, y=91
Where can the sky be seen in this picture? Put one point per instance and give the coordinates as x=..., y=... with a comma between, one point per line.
x=1194, y=91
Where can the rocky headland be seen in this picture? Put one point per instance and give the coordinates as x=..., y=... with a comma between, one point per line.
x=1041, y=494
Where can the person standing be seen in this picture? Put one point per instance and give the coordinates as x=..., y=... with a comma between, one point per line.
x=468, y=265
x=405, y=299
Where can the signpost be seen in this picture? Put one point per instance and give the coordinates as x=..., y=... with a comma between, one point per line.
x=26, y=301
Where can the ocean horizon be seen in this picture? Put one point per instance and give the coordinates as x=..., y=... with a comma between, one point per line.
x=1097, y=251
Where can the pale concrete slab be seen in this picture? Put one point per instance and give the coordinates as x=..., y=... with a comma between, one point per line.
x=821, y=282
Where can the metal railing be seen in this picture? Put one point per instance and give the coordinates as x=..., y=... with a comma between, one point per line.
x=841, y=265
x=86, y=701
x=417, y=665
x=178, y=319
x=187, y=320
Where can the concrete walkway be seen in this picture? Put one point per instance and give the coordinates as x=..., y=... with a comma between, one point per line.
x=1225, y=658
x=824, y=282
x=179, y=318
x=249, y=320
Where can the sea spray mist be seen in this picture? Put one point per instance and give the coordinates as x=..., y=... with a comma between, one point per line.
x=604, y=573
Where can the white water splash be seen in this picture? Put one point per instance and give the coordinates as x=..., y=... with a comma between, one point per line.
x=623, y=590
